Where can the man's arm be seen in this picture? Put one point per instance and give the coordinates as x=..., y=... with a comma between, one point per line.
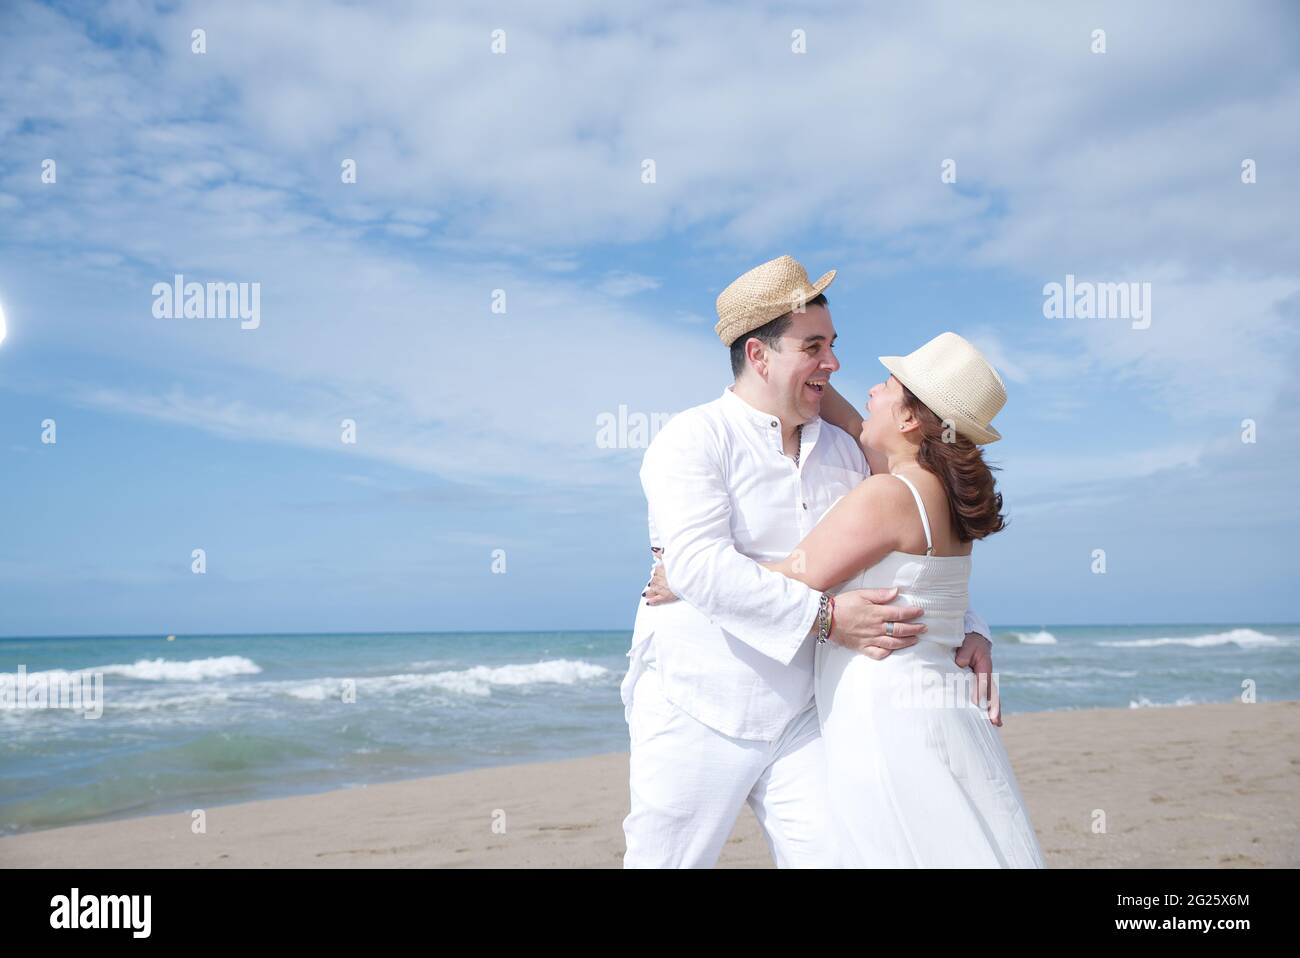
x=684, y=482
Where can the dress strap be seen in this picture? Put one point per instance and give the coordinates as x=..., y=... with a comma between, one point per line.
x=925, y=519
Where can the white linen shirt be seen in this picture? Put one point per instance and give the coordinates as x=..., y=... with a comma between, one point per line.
x=735, y=652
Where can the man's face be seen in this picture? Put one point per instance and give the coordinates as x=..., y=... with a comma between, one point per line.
x=803, y=365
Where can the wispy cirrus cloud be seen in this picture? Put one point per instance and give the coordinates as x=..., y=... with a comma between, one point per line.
x=235, y=155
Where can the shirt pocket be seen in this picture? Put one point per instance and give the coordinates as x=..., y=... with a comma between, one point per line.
x=650, y=713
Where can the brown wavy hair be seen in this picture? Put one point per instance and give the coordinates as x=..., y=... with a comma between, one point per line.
x=973, y=502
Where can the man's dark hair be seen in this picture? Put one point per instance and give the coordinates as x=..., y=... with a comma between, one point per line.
x=770, y=333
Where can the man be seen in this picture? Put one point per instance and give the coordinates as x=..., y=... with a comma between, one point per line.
x=719, y=690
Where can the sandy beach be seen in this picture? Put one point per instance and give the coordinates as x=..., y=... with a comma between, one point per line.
x=1196, y=786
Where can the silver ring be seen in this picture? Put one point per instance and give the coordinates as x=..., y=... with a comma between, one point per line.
x=889, y=629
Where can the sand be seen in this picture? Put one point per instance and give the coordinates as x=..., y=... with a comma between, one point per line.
x=1195, y=786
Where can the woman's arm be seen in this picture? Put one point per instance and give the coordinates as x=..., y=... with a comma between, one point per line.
x=838, y=411
x=858, y=532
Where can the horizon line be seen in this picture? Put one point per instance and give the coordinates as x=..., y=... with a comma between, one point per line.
x=245, y=635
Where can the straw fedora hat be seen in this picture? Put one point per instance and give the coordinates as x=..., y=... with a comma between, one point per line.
x=764, y=293
x=954, y=379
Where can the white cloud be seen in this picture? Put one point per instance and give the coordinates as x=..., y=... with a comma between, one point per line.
x=518, y=171
x=621, y=284
x=435, y=381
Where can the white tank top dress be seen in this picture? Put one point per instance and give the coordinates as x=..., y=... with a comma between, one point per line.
x=917, y=774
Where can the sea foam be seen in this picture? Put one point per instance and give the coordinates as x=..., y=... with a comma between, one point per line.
x=1041, y=637
x=478, y=680
x=1142, y=702
x=163, y=670
x=1244, y=638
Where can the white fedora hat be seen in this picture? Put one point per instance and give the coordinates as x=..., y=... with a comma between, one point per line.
x=956, y=382
x=767, y=291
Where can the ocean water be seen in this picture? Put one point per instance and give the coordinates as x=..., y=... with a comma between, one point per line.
x=207, y=720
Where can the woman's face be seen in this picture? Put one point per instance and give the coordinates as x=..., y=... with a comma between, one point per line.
x=884, y=404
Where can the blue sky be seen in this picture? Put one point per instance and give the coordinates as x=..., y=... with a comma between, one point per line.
x=522, y=172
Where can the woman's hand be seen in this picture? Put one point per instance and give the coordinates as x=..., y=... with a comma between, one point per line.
x=656, y=590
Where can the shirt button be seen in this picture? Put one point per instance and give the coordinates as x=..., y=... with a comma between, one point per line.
x=774, y=423
x=805, y=505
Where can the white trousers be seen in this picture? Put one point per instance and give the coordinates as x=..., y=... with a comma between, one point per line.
x=689, y=782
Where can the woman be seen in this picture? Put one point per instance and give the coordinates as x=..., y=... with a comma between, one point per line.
x=917, y=773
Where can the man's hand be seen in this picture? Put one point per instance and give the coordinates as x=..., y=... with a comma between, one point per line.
x=861, y=622
x=976, y=653
x=861, y=617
